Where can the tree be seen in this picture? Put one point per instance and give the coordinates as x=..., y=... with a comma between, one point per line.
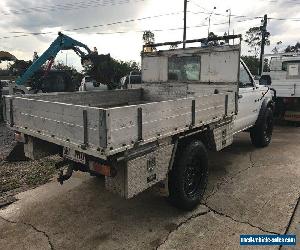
x=75, y=75
x=18, y=67
x=276, y=48
x=253, y=62
x=253, y=39
x=293, y=48
x=107, y=70
x=134, y=66
x=148, y=38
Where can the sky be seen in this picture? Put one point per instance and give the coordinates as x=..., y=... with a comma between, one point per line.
x=116, y=26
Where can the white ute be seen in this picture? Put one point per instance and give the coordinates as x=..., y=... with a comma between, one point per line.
x=90, y=84
x=283, y=75
x=190, y=101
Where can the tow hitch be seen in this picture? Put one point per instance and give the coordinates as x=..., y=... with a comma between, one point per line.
x=66, y=169
x=63, y=176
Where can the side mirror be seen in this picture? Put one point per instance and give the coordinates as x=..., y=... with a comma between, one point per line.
x=265, y=80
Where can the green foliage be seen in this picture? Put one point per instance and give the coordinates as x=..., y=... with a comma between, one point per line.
x=253, y=39
x=293, y=48
x=148, y=37
x=252, y=63
x=107, y=70
x=75, y=75
x=18, y=67
x=276, y=48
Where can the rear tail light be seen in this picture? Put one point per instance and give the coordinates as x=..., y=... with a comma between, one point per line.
x=102, y=169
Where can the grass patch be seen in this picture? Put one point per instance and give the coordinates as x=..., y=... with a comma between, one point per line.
x=25, y=175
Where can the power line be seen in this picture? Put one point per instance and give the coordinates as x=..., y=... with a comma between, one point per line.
x=245, y=16
x=67, y=7
x=93, y=26
x=25, y=34
x=169, y=29
x=284, y=2
x=123, y=32
x=294, y=19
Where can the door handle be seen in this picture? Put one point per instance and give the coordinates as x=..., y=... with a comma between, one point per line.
x=240, y=96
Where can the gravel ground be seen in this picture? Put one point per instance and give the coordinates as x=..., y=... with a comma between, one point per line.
x=6, y=141
x=16, y=177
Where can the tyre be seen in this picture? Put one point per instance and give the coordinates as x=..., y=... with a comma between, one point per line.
x=189, y=176
x=261, y=134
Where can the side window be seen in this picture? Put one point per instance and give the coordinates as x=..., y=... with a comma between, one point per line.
x=186, y=68
x=284, y=66
x=245, y=80
x=135, y=79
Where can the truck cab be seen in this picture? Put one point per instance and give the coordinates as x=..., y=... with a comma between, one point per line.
x=251, y=98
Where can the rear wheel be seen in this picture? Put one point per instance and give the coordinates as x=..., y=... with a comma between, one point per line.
x=188, y=178
x=261, y=134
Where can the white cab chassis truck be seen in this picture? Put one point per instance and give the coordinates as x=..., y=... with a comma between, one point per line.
x=284, y=77
x=190, y=101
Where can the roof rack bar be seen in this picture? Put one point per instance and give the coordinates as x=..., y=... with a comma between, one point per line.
x=201, y=40
x=296, y=53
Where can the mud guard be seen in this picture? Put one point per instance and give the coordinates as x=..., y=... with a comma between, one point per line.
x=268, y=102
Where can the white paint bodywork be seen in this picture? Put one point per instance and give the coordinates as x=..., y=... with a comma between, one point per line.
x=286, y=83
x=218, y=64
x=249, y=103
x=219, y=70
x=88, y=84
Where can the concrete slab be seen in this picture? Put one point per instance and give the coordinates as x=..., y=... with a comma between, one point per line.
x=82, y=215
x=294, y=227
x=21, y=236
x=210, y=231
x=261, y=186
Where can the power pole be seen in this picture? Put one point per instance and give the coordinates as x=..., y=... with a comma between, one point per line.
x=229, y=17
x=264, y=34
x=184, y=22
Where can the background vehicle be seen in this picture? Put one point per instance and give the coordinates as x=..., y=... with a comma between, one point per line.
x=133, y=78
x=4, y=86
x=284, y=77
x=90, y=84
x=158, y=133
x=34, y=80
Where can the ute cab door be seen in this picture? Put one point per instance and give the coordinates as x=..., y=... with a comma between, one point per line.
x=248, y=105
